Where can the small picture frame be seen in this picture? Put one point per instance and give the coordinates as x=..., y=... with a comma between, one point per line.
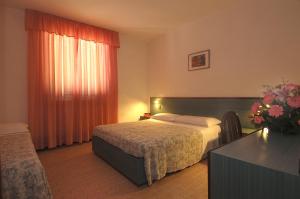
x=199, y=60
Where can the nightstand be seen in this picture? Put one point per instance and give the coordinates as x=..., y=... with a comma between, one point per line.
x=144, y=118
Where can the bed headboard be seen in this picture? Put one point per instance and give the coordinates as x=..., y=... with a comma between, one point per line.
x=205, y=106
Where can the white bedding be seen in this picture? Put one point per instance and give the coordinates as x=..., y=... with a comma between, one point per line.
x=165, y=146
x=22, y=174
x=210, y=134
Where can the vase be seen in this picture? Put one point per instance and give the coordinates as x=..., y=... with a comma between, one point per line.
x=283, y=129
x=275, y=129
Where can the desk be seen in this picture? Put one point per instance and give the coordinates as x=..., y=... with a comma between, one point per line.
x=258, y=166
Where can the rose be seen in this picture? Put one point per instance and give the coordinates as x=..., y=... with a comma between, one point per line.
x=290, y=87
x=255, y=107
x=268, y=99
x=258, y=119
x=294, y=102
x=275, y=111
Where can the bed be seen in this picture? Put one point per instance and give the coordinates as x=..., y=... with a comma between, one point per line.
x=145, y=151
x=22, y=174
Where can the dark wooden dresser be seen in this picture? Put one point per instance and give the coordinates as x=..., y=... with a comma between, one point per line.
x=258, y=166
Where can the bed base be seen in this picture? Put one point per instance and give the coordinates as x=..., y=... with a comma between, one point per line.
x=128, y=165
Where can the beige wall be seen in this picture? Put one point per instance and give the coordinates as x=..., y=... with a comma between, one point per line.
x=13, y=98
x=1, y=62
x=252, y=43
x=13, y=78
x=133, y=87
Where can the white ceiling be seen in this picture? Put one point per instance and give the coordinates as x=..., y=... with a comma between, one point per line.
x=145, y=18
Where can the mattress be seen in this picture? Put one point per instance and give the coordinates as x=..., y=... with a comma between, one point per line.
x=165, y=146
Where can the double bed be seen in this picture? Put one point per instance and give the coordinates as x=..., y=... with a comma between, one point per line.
x=147, y=150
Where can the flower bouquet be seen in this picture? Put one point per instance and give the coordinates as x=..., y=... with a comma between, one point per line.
x=279, y=110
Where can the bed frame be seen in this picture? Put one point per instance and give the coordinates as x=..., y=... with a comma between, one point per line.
x=132, y=167
x=208, y=106
x=128, y=165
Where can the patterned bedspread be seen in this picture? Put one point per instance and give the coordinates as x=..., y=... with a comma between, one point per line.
x=22, y=175
x=165, y=148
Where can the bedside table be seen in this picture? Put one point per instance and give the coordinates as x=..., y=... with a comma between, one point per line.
x=144, y=118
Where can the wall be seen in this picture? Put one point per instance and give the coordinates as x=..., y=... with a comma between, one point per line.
x=133, y=87
x=252, y=43
x=132, y=63
x=1, y=62
x=13, y=73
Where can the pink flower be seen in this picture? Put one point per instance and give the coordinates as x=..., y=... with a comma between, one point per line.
x=275, y=111
x=294, y=102
x=291, y=87
x=268, y=99
x=258, y=119
x=255, y=107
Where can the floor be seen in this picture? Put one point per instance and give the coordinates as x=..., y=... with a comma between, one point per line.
x=75, y=172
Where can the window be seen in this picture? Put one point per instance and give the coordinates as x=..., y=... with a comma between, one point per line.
x=72, y=79
x=77, y=66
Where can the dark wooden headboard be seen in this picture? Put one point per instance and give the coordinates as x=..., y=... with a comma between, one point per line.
x=205, y=106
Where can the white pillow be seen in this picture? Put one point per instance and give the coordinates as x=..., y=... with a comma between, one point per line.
x=170, y=117
x=198, y=120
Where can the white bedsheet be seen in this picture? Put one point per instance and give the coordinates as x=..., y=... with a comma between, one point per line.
x=210, y=134
x=165, y=146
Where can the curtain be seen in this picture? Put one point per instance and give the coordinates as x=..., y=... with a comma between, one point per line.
x=72, y=79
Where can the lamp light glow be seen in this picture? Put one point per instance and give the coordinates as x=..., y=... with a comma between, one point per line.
x=157, y=103
x=264, y=134
x=265, y=130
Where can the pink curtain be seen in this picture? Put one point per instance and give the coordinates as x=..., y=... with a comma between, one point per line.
x=72, y=75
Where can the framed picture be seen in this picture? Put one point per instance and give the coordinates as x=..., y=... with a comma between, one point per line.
x=199, y=60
